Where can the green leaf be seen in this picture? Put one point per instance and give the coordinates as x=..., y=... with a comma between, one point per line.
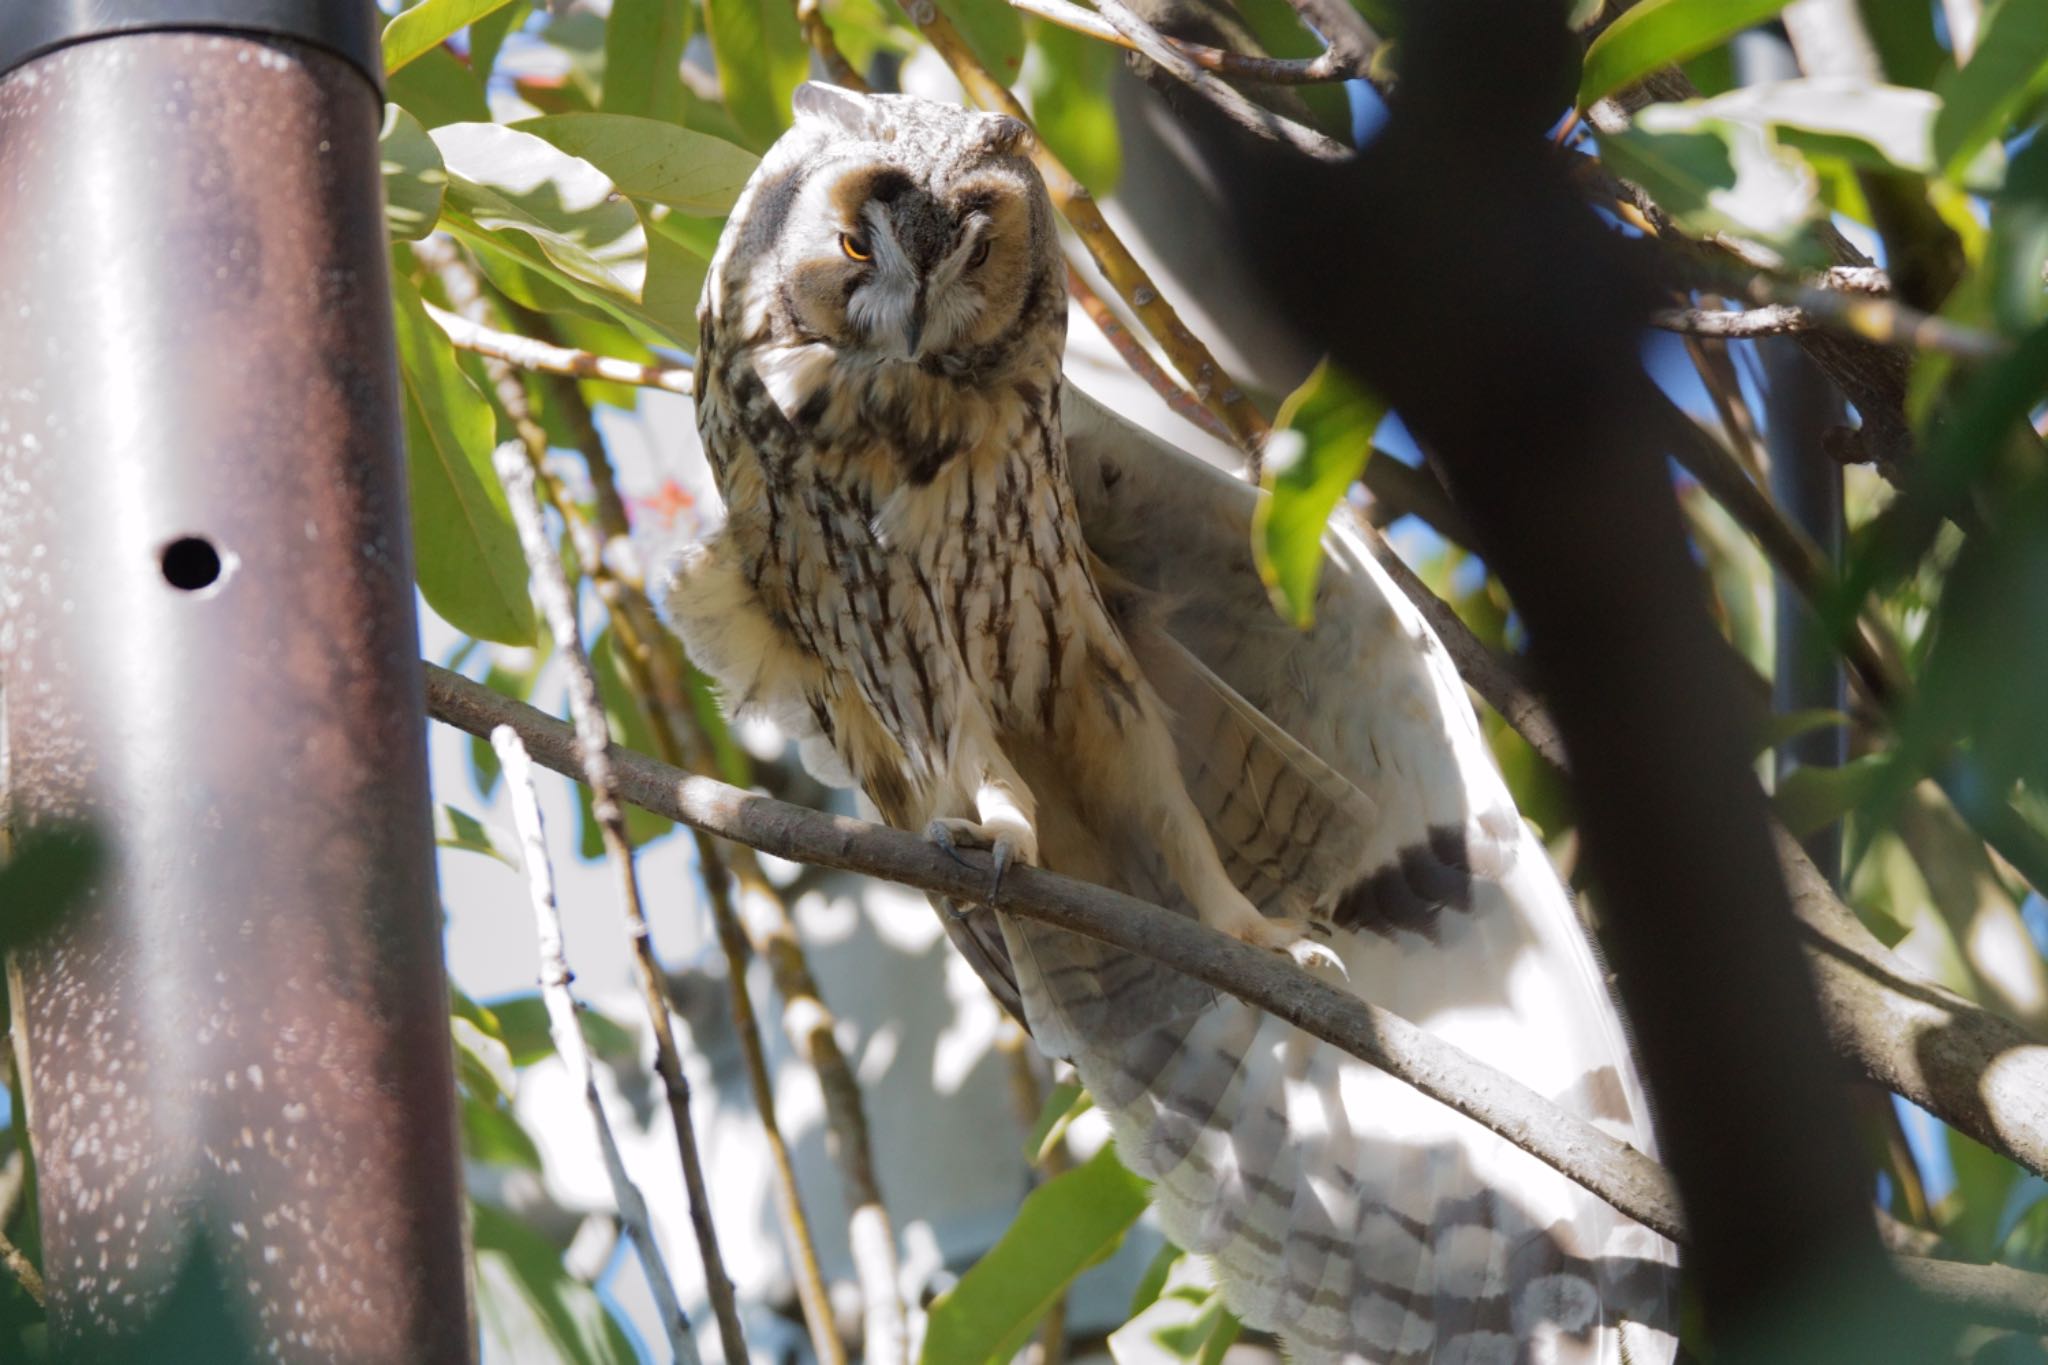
x=483, y=1063
x=643, y=56
x=993, y=30
x=1905, y=40
x=413, y=178
x=460, y=830
x=2008, y=69
x=1781, y=727
x=665, y=317
x=1883, y=127
x=51, y=869
x=694, y=173
x=493, y=1136
x=532, y=1311
x=1064, y=1226
x=1185, y=1320
x=1659, y=32
x=500, y=179
x=1320, y=443
x=2019, y=242
x=465, y=550
x=1067, y=1102
x=1812, y=798
x=761, y=60
x=1069, y=89
x=1713, y=175
x=523, y=1020
x=429, y=24
x=439, y=88
x=487, y=37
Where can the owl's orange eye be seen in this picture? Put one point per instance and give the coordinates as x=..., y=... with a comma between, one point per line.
x=855, y=248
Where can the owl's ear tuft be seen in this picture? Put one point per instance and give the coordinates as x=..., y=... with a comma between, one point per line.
x=1002, y=135
x=834, y=106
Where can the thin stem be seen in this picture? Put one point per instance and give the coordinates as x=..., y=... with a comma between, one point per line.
x=811, y=18
x=1234, y=106
x=1323, y=68
x=568, y=1037
x=529, y=354
x=593, y=748
x=1134, y=354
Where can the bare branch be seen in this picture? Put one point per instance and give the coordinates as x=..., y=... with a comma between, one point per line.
x=570, y=1046
x=811, y=18
x=591, y=754
x=1611, y=1169
x=1134, y=354
x=1323, y=68
x=1243, y=112
x=1775, y=319
x=529, y=354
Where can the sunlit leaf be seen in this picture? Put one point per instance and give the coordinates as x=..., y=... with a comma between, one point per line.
x=1813, y=797
x=1064, y=1226
x=2007, y=71
x=761, y=59
x=1712, y=175
x=429, y=24
x=692, y=172
x=1659, y=32
x=532, y=1311
x=465, y=551
x=493, y=1136
x=1066, y=1102
x=1321, y=440
x=993, y=30
x=1184, y=1322
x=523, y=1019
x=643, y=51
x=413, y=178
x=1885, y=127
x=439, y=88
x=458, y=829
x=500, y=179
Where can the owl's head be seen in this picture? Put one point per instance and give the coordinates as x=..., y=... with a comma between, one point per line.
x=892, y=228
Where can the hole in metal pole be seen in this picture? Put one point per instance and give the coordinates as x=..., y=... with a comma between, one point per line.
x=191, y=563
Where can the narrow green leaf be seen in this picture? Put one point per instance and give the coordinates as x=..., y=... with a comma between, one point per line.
x=439, y=88
x=1812, y=798
x=1884, y=127
x=2019, y=242
x=1905, y=40
x=694, y=173
x=674, y=278
x=465, y=550
x=643, y=57
x=1782, y=727
x=1069, y=88
x=2009, y=68
x=501, y=179
x=1319, y=447
x=429, y=24
x=459, y=829
x=761, y=59
x=413, y=178
x=532, y=1311
x=1659, y=32
x=493, y=1136
x=1067, y=1102
x=1064, y=1226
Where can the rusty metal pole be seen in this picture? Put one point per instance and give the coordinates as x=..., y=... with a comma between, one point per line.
x=236, y=1054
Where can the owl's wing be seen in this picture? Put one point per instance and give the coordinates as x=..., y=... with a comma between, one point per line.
x=1343, y=1209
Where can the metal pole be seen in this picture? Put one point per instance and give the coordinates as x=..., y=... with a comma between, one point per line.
x=236, y=1054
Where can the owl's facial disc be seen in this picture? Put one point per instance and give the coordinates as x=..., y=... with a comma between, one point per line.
x=901, y=270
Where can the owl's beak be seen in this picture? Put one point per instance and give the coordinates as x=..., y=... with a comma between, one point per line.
x=914, y=332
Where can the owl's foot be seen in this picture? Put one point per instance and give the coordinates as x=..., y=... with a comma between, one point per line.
x=1008, y=842
x=1288, y=937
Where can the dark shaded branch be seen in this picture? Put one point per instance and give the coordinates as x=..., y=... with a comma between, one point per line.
x=1323, y=68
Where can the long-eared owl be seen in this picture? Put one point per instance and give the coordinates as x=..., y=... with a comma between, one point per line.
x=1014, y=621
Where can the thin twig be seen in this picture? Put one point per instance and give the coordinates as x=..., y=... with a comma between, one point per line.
x=529, y=354
x=1189, y=356
x=1633, y=1183
x=1234, y=106
x=1786, y=308
x=1321, y=69
x=23, y=1269
x=1134, y=354
x=570, y=1046
x=592, y=752
x=1776, y=319
x=811, y=18
x=654, y=669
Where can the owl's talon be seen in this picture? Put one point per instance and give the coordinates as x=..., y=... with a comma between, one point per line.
x=1001, y=855
x=940, y=834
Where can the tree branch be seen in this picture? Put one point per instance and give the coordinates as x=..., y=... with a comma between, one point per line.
x=1609, y=1168
x=530, y=354
x=1323, y=68
x=570, y=1046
